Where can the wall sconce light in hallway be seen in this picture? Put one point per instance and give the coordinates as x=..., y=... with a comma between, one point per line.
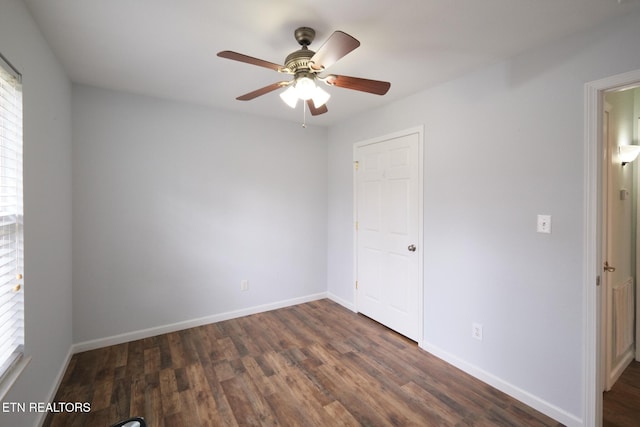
x=628, y=153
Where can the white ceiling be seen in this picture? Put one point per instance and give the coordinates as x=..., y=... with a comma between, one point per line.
x=167, y=48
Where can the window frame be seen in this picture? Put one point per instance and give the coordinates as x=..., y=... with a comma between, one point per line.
x=11, y=369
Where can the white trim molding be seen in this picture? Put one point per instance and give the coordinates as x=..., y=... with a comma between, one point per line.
x=346, y=304
x=12, y=374
x=56, y=384
x=532, y=400
x=178, y=326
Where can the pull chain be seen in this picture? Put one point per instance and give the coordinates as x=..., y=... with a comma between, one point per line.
x=304, y=115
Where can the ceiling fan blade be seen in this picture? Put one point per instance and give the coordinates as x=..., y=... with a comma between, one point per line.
x=376, y=87
x=336, y=46
x=316, y=111
x=249, y=60
x=262, y=91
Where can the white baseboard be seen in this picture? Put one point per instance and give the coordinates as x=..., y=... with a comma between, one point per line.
x=346, y=304
x=158, y=330
x=525, y=397
x=618, y=370
x=54, y=389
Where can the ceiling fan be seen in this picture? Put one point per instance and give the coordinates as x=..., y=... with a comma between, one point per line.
x=306, y=66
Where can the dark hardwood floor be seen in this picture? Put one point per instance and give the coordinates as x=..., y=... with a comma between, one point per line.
x=315, y=364
x=621, y=405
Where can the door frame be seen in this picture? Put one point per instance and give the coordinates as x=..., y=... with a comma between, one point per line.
x=592, y=237
x=414, y=130
x=605, y=235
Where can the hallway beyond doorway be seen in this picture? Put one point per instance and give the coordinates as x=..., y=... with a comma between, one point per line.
x=621, y=405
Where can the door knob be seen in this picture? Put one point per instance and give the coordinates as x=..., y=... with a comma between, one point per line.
x=608, y=268
x=412, y=248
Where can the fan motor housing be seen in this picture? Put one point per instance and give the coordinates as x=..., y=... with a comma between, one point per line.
x=298, y=60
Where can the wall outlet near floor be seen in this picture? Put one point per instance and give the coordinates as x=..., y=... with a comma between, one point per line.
x=244, y=285
x=476, y=331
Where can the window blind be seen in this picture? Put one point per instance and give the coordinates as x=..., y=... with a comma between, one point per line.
x=11, y=220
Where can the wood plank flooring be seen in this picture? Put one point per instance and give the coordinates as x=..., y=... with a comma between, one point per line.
x=314, y=364
x=621, y=405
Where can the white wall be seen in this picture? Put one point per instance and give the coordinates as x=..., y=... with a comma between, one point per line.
x=502, y=145
x=175, y=204
x=47, y=205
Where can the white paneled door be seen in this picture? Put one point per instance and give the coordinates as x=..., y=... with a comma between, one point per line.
x=388, y=243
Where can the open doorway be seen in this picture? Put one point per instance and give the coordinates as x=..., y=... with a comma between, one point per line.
x=618, y=288
x=619, y=212
x=602, y=162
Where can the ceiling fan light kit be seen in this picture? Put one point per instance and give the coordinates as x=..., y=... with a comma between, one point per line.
x=305, y=65
x=305, y=89
x=290, y=97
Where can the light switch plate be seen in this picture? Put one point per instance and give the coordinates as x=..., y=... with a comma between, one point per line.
x=624, y=194
x=544, y=224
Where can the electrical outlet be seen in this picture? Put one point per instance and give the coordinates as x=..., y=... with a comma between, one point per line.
x=244, y=285
x=476, y=331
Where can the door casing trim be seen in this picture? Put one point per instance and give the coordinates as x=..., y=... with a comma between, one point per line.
x=592, y=237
